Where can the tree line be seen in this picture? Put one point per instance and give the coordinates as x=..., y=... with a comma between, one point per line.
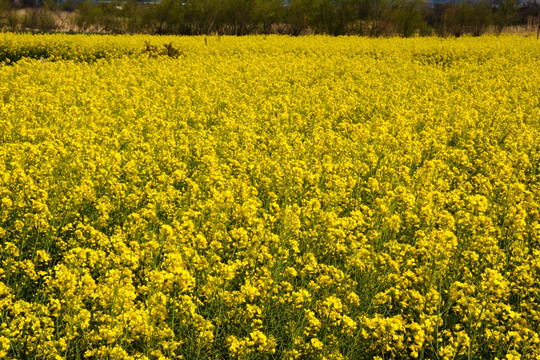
x=294, y=17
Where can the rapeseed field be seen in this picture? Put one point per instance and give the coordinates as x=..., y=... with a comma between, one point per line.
x=269, y=197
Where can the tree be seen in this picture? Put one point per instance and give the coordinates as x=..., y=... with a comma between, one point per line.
x=408, y=17
x=333, y=17
x=268, y=12
x=166, y=17
x=479, y=17
x=380, y=17
x=298, y=13
x=505, y=13
x=203, y=15
x=237, y=16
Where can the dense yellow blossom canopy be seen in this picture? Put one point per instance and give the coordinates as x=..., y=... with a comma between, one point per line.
x=269, y=198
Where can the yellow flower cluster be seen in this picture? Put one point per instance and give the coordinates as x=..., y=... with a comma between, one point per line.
x=269, y=198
